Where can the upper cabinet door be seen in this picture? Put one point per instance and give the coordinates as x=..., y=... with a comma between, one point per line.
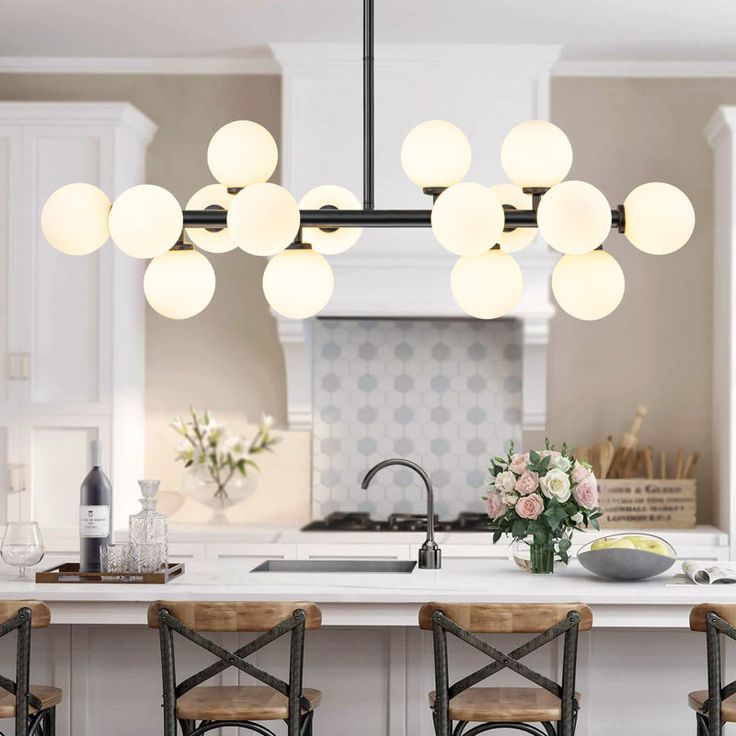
x=66, y=313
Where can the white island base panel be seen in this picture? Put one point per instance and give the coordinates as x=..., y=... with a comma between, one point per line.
x=371, y=662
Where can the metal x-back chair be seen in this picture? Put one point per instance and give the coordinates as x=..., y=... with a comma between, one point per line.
x=201, y=709
x=32, y=706
x=552, y=705
x=716, y=705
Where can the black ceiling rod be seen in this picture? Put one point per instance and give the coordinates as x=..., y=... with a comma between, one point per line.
x=368, y=107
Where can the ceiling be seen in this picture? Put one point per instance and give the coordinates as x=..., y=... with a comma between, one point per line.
x=624, y=30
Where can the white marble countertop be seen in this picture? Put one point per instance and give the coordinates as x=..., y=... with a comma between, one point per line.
x=368, y=599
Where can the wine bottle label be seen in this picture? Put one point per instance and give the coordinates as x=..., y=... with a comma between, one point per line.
x=94, y=521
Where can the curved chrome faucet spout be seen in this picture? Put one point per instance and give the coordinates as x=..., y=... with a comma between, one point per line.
x=430, y=555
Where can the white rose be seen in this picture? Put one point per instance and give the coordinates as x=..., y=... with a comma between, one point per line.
x=505, y=481
x=556, y=484
x=561, y=463
x=510, y=499
x=577, y=519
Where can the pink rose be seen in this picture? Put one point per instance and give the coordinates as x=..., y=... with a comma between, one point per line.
x=527, y=483
x=495, y=505
x=586, y=492
x=580, y=473
x=529, y=507
x=518, y=463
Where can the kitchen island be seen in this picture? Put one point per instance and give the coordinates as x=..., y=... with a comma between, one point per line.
x=371, y=661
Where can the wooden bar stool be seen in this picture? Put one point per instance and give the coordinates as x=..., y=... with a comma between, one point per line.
x=716, y=705
x=201, y=709
x=513, y=708
x=32, y=706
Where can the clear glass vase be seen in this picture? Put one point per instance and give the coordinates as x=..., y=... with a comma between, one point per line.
x=148, y=526
x=542, y=558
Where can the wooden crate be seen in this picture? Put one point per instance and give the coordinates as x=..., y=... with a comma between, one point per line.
x=642, y=503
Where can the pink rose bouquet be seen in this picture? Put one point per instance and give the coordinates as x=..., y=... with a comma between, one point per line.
x=541, y=498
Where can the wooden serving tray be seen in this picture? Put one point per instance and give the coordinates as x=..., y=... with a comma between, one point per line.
x=69, y=573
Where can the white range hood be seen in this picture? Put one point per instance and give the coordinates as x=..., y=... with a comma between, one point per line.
x=485, y=90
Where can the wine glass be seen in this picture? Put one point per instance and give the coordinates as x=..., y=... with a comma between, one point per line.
x=22, y=546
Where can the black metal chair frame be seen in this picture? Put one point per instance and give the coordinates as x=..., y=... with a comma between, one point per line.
x=300, y=714
x=709, y=721
x=568, y=628
x=42, y=722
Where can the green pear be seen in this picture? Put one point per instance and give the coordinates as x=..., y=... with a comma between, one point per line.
x=622, y=543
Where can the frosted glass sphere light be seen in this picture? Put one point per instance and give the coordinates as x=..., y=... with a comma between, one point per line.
x=659, y=218
x=436, y=154
x=588, y=286
x=574, y=217
x=487, y=286
x=467, y=219
x=536, y=154
x=75, y=219
x=337, y=240
x=213, y=242
x=298, y=283
x=179, y=284
x=263, y=219
x=145, y=221
x=242, y=153
x=519, y=237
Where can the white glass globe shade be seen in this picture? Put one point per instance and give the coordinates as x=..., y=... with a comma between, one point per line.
x=536, y=154
x=263, y=219
x=242, y=153
x=213, y=242
x=145, y=221
x=298, y=283
x=574, y=217
x=340, y=239
x=588, y=286
x=487, y=286
x=520, y=237
x=75, y=219
x=659, y=218
x=179, y=284
x=436, y=154
x=467, y=219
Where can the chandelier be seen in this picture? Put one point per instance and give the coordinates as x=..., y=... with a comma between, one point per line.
x=482, y=225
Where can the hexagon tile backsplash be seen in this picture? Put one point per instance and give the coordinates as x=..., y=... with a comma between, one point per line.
x=444, y=393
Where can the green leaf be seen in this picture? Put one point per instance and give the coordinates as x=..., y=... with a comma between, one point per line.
x=519, y=528
x=594, y=523
x=534, y=457
x=497, y=535
x=564, y=545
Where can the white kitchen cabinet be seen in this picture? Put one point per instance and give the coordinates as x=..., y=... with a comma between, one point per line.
x=71, y=328
x=251, y=551
x=365, y=551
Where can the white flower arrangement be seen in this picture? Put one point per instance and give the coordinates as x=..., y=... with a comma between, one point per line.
x=208, y=451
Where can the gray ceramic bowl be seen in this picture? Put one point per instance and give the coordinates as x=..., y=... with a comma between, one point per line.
x=626, y=564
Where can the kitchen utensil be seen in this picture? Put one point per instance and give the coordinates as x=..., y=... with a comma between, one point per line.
x=663, y=464
x=626, y=563
x=679, y=463
x=606, y=452
x=648, y=462
x=690, y=465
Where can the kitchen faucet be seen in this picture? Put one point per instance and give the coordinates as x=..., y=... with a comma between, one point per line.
x=430, y=555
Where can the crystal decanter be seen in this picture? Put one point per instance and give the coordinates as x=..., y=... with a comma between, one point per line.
x=148, y=526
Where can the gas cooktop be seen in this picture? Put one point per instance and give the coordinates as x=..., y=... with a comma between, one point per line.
x=356, y=521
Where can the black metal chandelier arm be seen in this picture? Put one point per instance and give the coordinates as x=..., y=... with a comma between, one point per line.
x=374, y=218
x=368, y=107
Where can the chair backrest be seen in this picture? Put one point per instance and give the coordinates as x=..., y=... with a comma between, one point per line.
x=714, y=619
x=270, y=620
x=215, y=616
x=726, y=611
x=499, y=618
x=21, y=617
x=464, y=621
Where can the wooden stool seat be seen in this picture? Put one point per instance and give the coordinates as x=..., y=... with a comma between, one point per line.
x=697, y=699
x=504, y=705
x=49, y=697
x=238, y=702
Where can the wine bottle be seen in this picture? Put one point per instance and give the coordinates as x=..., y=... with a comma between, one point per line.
x=95, y=513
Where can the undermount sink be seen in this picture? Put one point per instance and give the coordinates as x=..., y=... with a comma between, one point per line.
x=322, y=566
